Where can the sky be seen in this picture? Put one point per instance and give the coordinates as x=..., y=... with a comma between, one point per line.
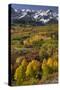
x=34, y=7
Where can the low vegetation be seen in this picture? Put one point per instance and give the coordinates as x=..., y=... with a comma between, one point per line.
x=34, y=54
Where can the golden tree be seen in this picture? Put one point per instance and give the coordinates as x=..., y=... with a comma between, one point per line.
x=45, y=69
x=19, y=75
x=32, y=69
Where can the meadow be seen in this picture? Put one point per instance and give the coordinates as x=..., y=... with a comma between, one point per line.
x=34, y=54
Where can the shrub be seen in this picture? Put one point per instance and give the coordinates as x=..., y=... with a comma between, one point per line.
x=50, y=62
x=53, y=64
x=43, y=53
x=32, y=69
x=20, y=73
x=45, y=70
x=48, y=49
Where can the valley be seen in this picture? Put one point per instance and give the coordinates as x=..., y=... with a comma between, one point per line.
x=34, y=44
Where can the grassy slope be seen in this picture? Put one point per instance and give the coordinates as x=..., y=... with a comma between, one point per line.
x=21, y=33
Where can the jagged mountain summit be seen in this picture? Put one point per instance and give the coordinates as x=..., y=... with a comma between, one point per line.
x=35, y=17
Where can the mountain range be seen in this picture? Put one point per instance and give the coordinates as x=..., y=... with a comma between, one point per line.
x=35, y=17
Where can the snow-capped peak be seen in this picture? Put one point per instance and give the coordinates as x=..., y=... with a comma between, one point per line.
x=28, y=10
x=43, y=16
x=22, y=10
x=16, y=10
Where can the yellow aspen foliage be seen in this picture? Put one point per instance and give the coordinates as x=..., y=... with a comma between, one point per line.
x=18, y=60
x=45, y=69
x=24, y=63
x=28, y=42
x=35, y=38
x=32, y=68
x=55, y=65
x=44, y=63
x=19, y=75
x=50, y=62
x=36, y=64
